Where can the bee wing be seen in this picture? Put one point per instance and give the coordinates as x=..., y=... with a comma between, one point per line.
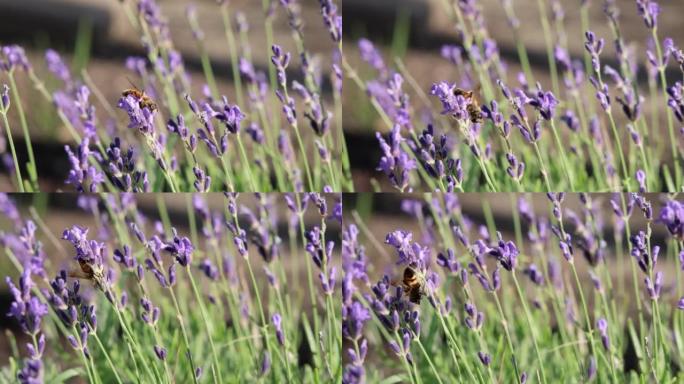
x=131, y=83
x=78, y=274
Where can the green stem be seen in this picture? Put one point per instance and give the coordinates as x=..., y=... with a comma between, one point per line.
x=208, y=325
x=530, y=323
x=564, y=158
x=17, y=169
x=625, y=180
x=545, y=174
x=31, y=166
x=230, y=36
x=186, y=340
x=246, y=164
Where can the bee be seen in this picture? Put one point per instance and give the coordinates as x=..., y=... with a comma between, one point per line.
x=144, y=100
x=473, y=108
x=414, y=284
x=88, y=272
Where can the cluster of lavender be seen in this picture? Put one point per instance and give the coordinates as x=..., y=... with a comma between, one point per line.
x=498, y=310
x=138, y=300
x=178, y=142
x=527, y=137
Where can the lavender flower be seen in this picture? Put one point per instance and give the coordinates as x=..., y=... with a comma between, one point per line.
x=141, y=117
x=29, y=311
x=654, y=287
x=506, y=253
x=160, y=352
x=4, y=99
x=84, y=176
x=395, y=162
x=648, y=10
x=181, y=248
x=13, y=56
x=277, y=324
x=672, y=215
x=57, y=66
x=676, y=100
x=602, y=326
x=332, y=20
x=485, y=359
x=544, y=102
x=594, y=47
x=408, y=252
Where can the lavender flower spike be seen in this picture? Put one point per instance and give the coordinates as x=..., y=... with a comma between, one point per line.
x=395, y=162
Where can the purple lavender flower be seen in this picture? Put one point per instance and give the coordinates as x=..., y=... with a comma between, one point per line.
x=676, y=100
x=449, y=261
x=602, y=326
x=594, y=47
x=181, y=248
x=591, y=369
x=26, y=308
x=209, y=269
x=354, y=317
x=121, y=168
x=265, y=364
x=648, y=10
x=280, y=60
x=485, y=359
x=641, y=179
x=654, y=287
x=672, y=215
x=140, y=117
x=372, y=56
x=4, y=99
x=278, y=325
x=408, y=252
x=160, y=352
x=29, y=311
x=332, y=20
x=534, y=274
x=544, y=102
x=13, y=56
x=57, y=66
x=84, y=176
x=474, y=318
x=453, y=105
x=230, y=116
x=506, y=253
x=395, y=162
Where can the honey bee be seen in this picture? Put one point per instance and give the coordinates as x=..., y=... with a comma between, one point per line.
x=473, y=107
x=414, y=284
x=88, y=272
x=145, y=100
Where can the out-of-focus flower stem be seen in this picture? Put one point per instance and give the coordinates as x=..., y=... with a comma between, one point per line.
x=246, y=164
x=545, y=174
x=17, y=169
x=179, y=317
x=548, y=38
x=530, y=323
x=207, y=325
x=108, y=358
x=564, y=158
x=618, y=142
x=31, y=166
x=230, y=37
x=312, y=292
